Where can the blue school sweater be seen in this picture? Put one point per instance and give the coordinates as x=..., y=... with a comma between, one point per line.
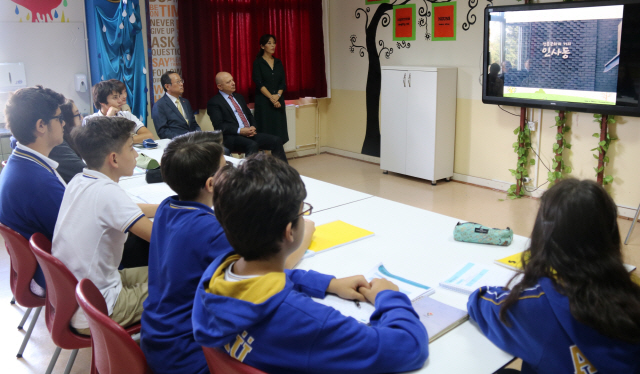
x=271, y=323
x=546, y=336
x=30, y=197
x=186, y=237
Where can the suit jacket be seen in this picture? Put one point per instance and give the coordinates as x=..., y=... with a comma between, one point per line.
x=169, y=122
x=222, y=116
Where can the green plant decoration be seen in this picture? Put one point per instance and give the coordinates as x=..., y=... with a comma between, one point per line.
x=558, y=166
x=521, y=147
x=603, y=148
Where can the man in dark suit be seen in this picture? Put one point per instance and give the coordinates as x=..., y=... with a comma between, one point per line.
x=228, y=112
x=172, y=115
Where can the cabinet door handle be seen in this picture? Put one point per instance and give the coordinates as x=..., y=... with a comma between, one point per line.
x=404, y=80
x=409, y=79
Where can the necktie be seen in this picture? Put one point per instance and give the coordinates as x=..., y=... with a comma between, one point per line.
x=240, y=113
x=180, y=109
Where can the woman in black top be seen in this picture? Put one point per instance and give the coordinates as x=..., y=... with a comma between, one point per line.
x=70, y=163
x=268, y=75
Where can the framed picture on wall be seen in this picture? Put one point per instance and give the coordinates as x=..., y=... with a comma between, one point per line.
x=404, y=22
x=444, y=21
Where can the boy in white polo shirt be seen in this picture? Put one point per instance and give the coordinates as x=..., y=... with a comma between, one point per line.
x=106, y=98
x=96, y=216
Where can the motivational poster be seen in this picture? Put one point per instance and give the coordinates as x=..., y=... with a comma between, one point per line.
x=444, y=21
x=404, y=22
x=163, y=16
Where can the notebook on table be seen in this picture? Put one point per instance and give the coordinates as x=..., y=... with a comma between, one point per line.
x=439, y=318
x=362, y=311
x=333, y=235
x=473, y=276
x=514, y=262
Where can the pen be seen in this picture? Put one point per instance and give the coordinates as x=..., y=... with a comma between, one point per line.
x=357, y=303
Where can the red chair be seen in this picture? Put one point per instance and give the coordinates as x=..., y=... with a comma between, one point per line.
x=61, y=302
x=114, y=351
x=221, y=363
x=23, y=267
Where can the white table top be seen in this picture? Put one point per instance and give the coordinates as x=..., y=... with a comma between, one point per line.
x=321, y=195
x=418, y=245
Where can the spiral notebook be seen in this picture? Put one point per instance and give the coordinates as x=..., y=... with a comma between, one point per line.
x=473, y=276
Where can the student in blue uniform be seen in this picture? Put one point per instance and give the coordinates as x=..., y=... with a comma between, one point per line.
x=186, y=239
x=31, y=189
x=577, y=310
x=249, y=306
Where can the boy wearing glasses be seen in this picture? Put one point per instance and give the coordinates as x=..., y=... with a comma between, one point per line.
x=186, y=238
x=30, y=187
x=248, y=305
x=96, y=217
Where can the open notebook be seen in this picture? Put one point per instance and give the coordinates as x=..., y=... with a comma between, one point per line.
x=363, y=310
x=437, y=317
x=335, y=234
x=473, y=276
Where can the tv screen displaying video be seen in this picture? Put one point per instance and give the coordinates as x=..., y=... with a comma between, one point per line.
x=582, y=57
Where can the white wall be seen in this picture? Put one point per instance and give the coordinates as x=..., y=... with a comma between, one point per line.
x=52, y=54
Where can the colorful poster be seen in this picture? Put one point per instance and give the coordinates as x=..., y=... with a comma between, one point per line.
x=369, y=2
x=163, y=17
x=444, y=21
x=39, y=10
x=404, y=22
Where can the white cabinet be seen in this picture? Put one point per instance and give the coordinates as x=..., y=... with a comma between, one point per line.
x=418, y=117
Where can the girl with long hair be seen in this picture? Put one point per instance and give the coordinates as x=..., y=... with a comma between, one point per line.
x=69, y=161
x=576, y=309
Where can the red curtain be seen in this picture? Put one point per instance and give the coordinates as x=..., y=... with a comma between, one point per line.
x=223, y=35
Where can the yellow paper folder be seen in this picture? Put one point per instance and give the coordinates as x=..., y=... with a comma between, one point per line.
x=334, y=234
x=513, y=262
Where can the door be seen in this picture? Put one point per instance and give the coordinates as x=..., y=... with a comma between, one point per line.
x=421, y=123
x=393, y=120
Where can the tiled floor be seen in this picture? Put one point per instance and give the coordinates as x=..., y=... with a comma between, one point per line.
x=466, y=202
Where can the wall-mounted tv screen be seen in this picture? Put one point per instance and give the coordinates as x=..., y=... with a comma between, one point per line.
x=578, y=56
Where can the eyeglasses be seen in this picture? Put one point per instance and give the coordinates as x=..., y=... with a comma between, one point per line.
x=77, y=115
x=307, y=209
x=179, y=81
x=60, y=118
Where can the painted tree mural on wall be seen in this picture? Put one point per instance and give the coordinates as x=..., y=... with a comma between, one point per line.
x=371, y=145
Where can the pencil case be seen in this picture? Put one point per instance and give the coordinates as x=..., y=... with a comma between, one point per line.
x=145, y=162
x=472, y=232
x=154, y=176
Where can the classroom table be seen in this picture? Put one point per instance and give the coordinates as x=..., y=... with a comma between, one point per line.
x=324, y=195
x=413, y=243
x=418, y=245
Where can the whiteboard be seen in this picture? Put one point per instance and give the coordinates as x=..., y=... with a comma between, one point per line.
x=52, y=53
